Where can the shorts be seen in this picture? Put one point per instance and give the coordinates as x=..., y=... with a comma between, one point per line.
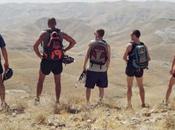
x=53, y=66
x=1, y=69
x=99, y=79
x=133, y=72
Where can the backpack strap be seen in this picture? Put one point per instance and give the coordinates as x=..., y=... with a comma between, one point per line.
x=133, y=47
x=56, y=30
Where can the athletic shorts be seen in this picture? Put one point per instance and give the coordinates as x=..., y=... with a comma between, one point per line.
x=133, y=72
x=99, y=79
x=48, y=66
x=1, y=69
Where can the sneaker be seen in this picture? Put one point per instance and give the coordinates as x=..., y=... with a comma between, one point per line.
x=37, y=101
x=145, y=106
x=129, y=107
x=164, y=103
x=4, y=107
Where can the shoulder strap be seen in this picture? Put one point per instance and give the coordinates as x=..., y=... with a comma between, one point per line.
x=50, y=30
x=102, y=41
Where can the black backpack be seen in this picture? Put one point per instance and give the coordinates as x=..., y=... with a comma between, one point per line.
x=140, y=56
x=53, y=45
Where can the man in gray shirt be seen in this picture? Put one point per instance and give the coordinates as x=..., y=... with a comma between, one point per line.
x=98, y=55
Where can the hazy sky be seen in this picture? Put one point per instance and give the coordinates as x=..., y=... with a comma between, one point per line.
x=46, y=1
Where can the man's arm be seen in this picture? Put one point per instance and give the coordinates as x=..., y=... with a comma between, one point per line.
x=172, y=71
x=149, y=58
x=128, y=49
x=5, y=56
x=69, y=39
x=36, y=45
x=109, y=57
x=4, y=52
x=86, y=59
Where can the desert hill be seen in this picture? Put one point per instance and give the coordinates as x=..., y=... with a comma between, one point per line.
x=21, y=24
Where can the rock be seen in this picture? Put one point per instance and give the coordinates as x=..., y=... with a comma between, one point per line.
x=147, y=114
x=14, y=114
x=74, y=110
x=89, y=121
x=54, y=122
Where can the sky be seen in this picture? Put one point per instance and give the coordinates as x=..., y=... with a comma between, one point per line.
x=52, y=1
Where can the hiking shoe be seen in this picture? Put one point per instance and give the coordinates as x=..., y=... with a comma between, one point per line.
x=37, y=101
x=8, y=74
x=100, y=101
x=164, y=103
x=67, y=59
x=4, y=107
x=145, y=106
x=129, y=107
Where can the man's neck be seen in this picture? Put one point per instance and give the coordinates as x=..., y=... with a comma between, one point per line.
x=53, y=28
x=99, y=38
x=137, y=41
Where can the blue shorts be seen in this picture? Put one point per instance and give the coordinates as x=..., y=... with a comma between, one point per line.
x=99, y=79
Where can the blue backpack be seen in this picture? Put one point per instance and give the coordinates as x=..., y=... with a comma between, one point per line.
x=140, y=56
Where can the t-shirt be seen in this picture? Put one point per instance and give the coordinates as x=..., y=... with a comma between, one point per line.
x=2, y=42
x=94, y=67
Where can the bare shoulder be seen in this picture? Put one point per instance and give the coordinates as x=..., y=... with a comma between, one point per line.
x=65, y=34
x=90, y=44
x=43, y=34
x=129, y=45
x=108, y=46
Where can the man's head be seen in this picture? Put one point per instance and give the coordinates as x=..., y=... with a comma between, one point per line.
x=52, y=23
x=99, y=34
x=135, y=35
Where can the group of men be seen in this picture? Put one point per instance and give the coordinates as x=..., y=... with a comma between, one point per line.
x=98, y=57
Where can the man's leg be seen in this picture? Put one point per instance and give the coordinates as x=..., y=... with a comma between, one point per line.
x=141, y=90
x=88, y=95
x=129, y=91
x=57, y=79
x=40, y=84
x=170, y=86
x=2, y=90
x=101, y=93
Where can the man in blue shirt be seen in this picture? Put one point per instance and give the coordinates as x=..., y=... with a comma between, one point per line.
x=6, y=66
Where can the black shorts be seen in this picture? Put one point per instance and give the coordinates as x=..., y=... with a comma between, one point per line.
x=1, y=69
x=48, y=66
x=99, y=79
x=131, y=71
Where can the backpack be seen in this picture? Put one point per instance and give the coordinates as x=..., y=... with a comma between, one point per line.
x=99, y=53
x=53, y=45
x=140, y=56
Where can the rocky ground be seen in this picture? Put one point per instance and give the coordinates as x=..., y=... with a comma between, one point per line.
x=73, y=114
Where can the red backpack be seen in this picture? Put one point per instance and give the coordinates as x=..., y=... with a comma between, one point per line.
x=54, y=48
x=99, y=53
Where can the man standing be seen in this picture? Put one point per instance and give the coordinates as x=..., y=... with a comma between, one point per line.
x=51, y=59
x=137, y=58
x=6, y=66
x=171, y=82
x=98, y=54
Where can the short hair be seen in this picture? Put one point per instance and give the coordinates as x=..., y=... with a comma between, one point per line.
x=101, y=32
x=137, y=33
x=52, y=20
